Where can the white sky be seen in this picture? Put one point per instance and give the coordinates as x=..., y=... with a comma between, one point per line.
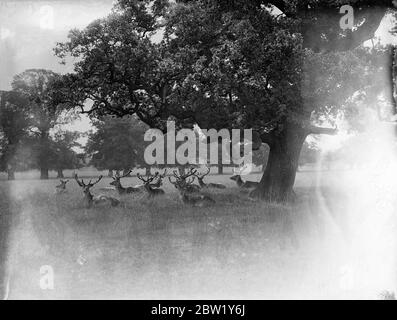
x=29, y=31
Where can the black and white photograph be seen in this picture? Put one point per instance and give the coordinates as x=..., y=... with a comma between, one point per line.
x=198, y=150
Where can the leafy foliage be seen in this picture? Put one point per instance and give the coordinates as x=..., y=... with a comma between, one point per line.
x=14, y=124
x=63, y=146
x=38, y=87
x=117, y=143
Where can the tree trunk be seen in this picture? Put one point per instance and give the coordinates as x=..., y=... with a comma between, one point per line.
x=60, y=174
x=220, y=168
x=279, y=176
x=44, y=173
x=147, y=171
x=44, y=156
x=110, y=173
x=11, y=173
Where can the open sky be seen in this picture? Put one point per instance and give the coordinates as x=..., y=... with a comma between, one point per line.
x=29, y=31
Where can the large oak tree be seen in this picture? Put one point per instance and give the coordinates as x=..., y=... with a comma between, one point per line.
x=274, y=66
x=36, y=86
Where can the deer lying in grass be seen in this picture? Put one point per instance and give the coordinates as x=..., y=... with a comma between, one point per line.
x=120, y=189
x=89, y=199
x=61, y=188
x=200, y=178
x=244, y=184
x=152, y=192
x=159, y=181
x=182, y=179
x=187, y=197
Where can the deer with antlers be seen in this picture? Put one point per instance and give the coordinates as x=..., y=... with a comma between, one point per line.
x=61, y=188
x=184, y=185
x=89, y=199
x=120, y=189
x=182, y=179
x=200, y=178
x=159, y=181
x=152, y=192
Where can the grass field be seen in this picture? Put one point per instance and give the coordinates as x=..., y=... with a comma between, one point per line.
x=163, y=249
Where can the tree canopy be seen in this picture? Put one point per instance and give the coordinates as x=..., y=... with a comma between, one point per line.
x=14, y=125
x=275, y=66
x=117, y=143
x=38, y=88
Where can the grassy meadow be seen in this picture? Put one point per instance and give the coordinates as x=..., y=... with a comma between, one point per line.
x=163, y=249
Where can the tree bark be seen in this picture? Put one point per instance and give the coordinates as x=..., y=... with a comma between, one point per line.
x=282, y=164
x=220, y=168
x=44, y=173
x=11, y=173
x=110, y=173
x=44, y=154
x=60, y=174
x=147, y=171
x=279, y=176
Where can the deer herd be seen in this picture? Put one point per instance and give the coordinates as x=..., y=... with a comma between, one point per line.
x=190, y=193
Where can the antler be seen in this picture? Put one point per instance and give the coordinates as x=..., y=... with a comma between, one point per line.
x=164, y=174
x=80, y=183
x=190, y=181
x=160, y=177
x=93, y=184
x=148, y=179
x=138, y=175
x=118, y=177
x=127, y=174
x=190, y=173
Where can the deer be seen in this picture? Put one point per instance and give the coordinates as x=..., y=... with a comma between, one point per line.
x=152, y=192
x=200, y=178
x=89, y=199
x=182, y=178
x=159, y=181
x=61, y=188
x=243, y=184
x=187, y=197
x=120, y=189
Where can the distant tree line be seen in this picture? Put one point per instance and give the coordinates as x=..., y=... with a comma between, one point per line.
x=30, y=137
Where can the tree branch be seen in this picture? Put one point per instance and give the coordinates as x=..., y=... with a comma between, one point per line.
x=320, y=130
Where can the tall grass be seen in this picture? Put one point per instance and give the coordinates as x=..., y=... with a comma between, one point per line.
x=159, y=248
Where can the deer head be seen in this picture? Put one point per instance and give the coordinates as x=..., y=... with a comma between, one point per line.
x=160, y=178
x=148, y=179
x=63, y=183
x=183, y=180
x=116, y=178
x=236, y=174
x=86, y=186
